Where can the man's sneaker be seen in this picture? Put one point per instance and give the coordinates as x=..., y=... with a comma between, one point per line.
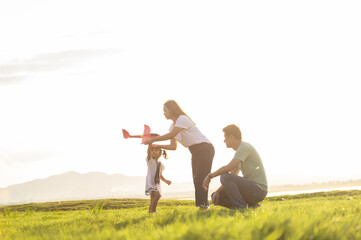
x=153, y=212
x=256, y=205
x=203, y=207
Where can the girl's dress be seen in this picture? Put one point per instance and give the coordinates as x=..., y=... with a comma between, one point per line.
x=152, y=182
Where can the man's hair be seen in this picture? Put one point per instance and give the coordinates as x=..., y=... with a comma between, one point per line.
x=233, y=130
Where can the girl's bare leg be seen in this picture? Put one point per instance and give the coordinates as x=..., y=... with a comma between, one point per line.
x=154, y=198
x=150, y=204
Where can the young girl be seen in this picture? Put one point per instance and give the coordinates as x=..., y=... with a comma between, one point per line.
x=154, y=175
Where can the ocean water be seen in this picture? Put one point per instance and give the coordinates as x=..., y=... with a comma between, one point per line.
x=272, y=194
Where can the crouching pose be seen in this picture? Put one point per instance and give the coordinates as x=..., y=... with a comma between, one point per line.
x=237, y=191
x=154, y=175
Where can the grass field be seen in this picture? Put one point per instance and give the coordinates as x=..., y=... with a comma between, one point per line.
x=328, y=215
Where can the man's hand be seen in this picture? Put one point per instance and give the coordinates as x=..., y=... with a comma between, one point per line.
x=206, y=182
x=215, y=198
x=168, y=182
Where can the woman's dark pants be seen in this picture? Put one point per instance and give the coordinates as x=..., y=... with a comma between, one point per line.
x=202, y=158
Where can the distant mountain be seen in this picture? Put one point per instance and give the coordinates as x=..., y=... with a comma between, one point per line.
x=94, y=185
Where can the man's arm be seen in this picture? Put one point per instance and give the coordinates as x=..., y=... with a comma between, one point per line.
x=230, y=167
x=225, y=169
x=234, y=171
x=215, y=197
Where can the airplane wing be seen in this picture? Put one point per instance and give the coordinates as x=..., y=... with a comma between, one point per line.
x=146, y=133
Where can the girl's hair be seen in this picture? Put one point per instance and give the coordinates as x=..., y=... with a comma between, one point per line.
x=175, y=109
x=162, y=152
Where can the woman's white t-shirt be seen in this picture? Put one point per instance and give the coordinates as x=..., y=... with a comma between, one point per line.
x=150, y=184
x=190, y=134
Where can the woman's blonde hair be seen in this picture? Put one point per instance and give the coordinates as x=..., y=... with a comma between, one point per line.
x=175, y=109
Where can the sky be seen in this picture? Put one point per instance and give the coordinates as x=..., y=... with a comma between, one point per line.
x=73, y=74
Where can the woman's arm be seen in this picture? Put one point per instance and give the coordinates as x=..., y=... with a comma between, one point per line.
x=164, y=137
x=171, y=146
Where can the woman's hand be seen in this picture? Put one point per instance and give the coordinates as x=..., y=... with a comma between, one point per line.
x=148, y=142
x=206, y=182
x=168, y=182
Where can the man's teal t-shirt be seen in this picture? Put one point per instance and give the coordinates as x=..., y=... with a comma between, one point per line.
x=251, y=165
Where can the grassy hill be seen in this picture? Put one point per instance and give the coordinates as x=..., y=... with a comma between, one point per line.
x=328, y=215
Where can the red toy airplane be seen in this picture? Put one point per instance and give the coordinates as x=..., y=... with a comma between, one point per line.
x=146, y=134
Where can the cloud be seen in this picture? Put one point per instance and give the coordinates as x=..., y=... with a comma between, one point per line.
x=89, y=34
x=13, y=70
x=10, y=79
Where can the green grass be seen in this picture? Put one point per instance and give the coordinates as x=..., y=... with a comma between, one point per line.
x=329, y=215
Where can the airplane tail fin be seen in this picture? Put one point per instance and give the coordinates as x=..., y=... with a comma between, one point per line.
x=126, y=135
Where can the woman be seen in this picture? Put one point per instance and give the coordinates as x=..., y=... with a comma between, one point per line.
x=185, y=131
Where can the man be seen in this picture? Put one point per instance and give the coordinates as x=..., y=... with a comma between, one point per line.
x=237, y=191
